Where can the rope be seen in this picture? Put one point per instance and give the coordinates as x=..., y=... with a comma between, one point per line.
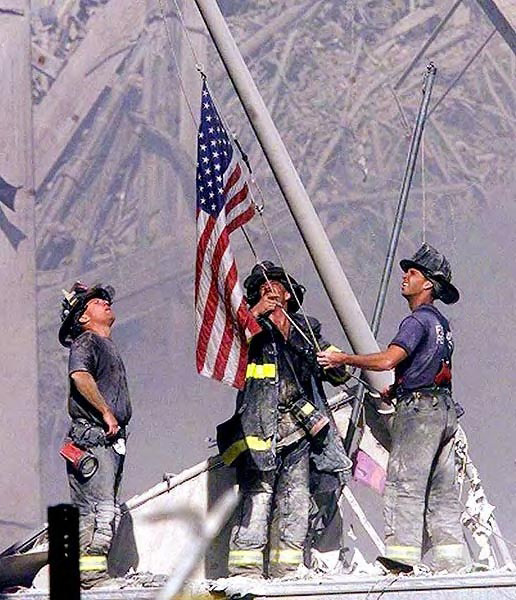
x=377, y=588
x=234, y=141
x=404, y=120
x=198, y=65
x=260, y=209
x=176, y=61
x=250, y=244
x=289, y=280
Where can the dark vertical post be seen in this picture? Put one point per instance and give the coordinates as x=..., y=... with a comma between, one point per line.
x=63, y=552
x=395, y=236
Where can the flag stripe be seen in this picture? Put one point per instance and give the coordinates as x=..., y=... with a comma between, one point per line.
x=222, y=207
x=237, y=199
x=226, y=342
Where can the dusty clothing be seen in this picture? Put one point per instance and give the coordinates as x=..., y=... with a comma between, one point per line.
x=99, y=511
x=426, y=337
x=274, y=454
x=422, y=510
x=275, y=506
x=97, y=497
x=251, y=435
x=99, y=356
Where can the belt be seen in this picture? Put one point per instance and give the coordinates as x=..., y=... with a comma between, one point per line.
x=423, y=391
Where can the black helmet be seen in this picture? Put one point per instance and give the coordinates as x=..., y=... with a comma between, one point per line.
x=74, y=304
x=436, y=268
x=266, y=271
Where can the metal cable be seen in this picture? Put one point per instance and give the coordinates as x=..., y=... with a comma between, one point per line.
x=176, y=61
x=292, y=290
x=198, y=65
x=259, y=209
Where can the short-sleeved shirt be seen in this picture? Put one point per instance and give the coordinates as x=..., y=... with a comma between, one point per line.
x=99, y=356
x=426, y=337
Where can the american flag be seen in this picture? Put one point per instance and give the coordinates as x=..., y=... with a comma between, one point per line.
x=222, y=319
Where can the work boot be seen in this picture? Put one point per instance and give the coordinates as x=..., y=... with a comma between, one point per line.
x=394, y=566
x=90, y=581
x=106, y=583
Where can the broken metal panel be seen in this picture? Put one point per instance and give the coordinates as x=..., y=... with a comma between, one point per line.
x=20, y=569
x=502, y=14
x=154, y=534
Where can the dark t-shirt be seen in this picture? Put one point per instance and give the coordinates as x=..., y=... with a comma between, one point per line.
x=426, y=337
x=99, y=356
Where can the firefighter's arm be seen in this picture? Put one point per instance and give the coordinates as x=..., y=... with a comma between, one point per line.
x=378, y=361
x=88, y=388
x=263, y=307
x=266, y=304
x=336, y=376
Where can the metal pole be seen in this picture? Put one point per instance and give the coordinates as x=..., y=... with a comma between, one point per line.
x=405, y=189
x=395, y=236
x=326, y=263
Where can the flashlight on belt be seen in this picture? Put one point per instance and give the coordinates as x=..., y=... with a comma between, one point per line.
x=312, y=420
x=83, y=461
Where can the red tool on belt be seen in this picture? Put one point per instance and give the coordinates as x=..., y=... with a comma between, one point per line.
x=82, y=460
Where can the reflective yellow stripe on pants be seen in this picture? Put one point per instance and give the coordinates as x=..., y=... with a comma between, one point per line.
x=286, y=556
x=405, y=554
x=245, y=558
x=92, y=563
x=448, y=551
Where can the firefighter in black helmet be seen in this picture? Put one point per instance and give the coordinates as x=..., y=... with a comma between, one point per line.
x=282, y=430
x=100, y=410
x=421, y=499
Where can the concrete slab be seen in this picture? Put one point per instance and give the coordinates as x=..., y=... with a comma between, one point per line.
x=478, y=586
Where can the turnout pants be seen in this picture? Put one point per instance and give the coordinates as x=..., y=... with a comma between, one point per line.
x=272, y=521
x=422, y=510
x=99, y=512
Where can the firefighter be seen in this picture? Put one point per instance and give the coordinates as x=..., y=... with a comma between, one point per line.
x=100, y=409
x=421, y=503
x=282, y=430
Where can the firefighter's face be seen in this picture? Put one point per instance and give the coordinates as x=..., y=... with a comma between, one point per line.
x=413, y=283
x=274, y=290
x=98, y=312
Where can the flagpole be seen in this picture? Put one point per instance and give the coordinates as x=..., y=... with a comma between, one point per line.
x=317, y=243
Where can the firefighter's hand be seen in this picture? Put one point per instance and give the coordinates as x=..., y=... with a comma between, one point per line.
x=267, y=304
x=329, y=359
x=111, y=423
